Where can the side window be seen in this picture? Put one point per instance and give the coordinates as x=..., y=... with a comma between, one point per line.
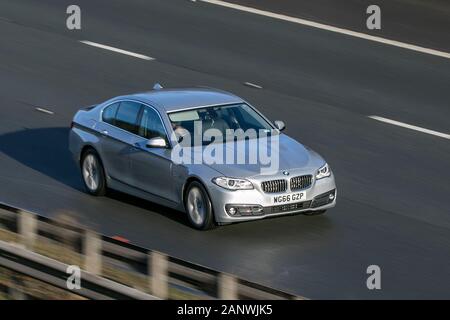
x=151, y=125
x=126, y=116
x=109, y=113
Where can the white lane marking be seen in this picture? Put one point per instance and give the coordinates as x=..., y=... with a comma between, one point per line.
x=129, y=53
x=330, y=28
x=410, y=126
x=44, y=110
x=249, y=84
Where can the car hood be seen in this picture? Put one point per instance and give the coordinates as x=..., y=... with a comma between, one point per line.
x=292, y=155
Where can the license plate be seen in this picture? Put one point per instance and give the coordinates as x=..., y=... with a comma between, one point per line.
x=289, y=198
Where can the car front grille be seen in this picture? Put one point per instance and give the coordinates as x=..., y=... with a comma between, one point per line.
x=287, y=207
x=274, y=186
x=301, y=182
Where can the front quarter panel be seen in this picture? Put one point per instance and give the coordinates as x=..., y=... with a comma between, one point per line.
x=200, y=172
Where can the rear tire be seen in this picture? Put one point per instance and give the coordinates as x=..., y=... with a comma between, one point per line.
x=198, y=207
x=93, y=173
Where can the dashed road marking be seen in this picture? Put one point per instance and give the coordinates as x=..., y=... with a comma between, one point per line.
x=412, y=127
x=44, y=110
x=249, y=84
x=128, y=53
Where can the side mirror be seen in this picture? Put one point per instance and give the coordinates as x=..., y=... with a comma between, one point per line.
x=157, y=142
x=279, y=125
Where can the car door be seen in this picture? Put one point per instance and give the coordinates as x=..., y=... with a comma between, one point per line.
x=118, y=125
x=152, y=167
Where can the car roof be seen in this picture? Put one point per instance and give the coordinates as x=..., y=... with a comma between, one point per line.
x=169, y=100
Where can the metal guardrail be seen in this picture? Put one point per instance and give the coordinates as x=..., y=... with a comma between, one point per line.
x=159, y=272
x=53, y=272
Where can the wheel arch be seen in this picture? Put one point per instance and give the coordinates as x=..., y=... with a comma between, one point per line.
x=189, y=180
x=212, y=222
x=85, y=149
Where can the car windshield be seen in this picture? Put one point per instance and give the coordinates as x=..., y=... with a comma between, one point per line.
x=237, y=121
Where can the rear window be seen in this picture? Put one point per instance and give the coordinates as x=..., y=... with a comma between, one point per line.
x=109, y=113
x=126, y=116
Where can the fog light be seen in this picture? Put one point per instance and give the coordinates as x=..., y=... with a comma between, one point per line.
x=331, y=196
x=244, y=209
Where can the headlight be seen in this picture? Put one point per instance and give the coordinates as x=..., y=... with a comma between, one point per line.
x=323, y=172
x=232, y=183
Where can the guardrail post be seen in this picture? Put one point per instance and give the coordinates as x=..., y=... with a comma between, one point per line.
x=158, y=265
x=227, y=287
x=15, y=291
x=92, y=252
x=27, y=228
x=15, y=294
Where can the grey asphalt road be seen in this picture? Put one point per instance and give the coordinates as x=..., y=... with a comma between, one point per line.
x=393, y=206
x=420, y=22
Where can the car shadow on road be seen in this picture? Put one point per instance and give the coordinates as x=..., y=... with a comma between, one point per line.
x=169, y=213
x=46, y=150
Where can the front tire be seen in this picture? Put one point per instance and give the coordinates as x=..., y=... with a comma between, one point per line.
x=93, y=173
x=198, y=207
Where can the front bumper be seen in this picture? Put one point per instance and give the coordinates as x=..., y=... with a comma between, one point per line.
x=317, y=198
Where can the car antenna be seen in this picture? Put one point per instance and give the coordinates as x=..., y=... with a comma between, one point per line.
x=157, y=86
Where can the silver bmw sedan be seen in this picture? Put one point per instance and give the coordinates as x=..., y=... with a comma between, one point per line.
x=205, y=152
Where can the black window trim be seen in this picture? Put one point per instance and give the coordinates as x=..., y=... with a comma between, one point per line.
x=142, y=105
x=115, y=113
x=139, y=119
x=225, y=105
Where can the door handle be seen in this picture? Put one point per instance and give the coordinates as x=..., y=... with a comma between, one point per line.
x=138, y=146
x=105, y=132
